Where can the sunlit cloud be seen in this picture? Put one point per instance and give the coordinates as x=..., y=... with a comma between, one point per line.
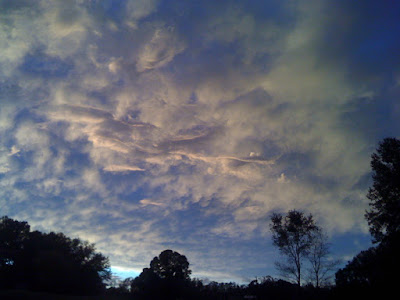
x=145, y=125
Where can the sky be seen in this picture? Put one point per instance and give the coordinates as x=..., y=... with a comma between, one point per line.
x=147, y=125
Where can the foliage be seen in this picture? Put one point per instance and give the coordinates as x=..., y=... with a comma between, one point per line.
x=293, y=235
x=384, y=215
x=49, y=261
x=360, y=271
x=167, y=277
x=170, y=265
x=372, y=270
x=376, y=270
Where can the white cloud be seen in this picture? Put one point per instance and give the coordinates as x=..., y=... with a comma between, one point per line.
x=150, y=202
x=138, y=9
x=160, y=50
x=122, y=168
x=140, y=116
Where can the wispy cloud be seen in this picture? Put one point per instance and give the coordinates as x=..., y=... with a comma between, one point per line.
x=142, y=123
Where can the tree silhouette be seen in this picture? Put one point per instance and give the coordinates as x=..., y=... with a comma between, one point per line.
x=170, y=265
x=167, y=277
x=375, y=270
x=13, y=234
x=49, y=261
x=293, y=235
x=384, y=215
x=360, y=272
x=321, y=266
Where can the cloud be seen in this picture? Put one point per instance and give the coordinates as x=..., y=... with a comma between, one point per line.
x=144, y=124
x=120, y=168
x=160, y=50
x=79, y=114
x=150, y=202
x=136, y=10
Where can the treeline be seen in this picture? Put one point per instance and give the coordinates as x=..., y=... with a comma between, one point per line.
x=262, y=288
x=53, y=262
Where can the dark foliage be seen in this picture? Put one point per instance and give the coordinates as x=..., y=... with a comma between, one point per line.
x=384, y=215
x=167, y=278
x=153, y=284
x=50, y=262
x=270, y=288
x=373, y=273
x=171, y=265
x=219, y=291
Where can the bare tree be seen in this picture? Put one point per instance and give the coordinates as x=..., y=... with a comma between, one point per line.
x=321, y=265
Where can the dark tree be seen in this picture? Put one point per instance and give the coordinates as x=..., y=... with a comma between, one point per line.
x=375, y=270
x=270, y=288
x=65, y=265
x=360, y=272
x=49, y=262
x=13, y=236
x=384, y=214
x=293, y=235
x=167, y=278
x=146, y=285
x=171, y=265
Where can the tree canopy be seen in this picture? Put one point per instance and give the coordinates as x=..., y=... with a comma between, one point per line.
x=168, y=277
x=375, y=269
x=384, y=214
x=49, y=261
x=293, y=235
x=170, y=265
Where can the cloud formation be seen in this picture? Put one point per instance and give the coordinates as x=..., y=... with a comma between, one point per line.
x=143, y=125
